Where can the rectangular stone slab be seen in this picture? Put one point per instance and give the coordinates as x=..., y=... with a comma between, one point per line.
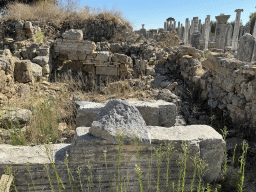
x=154, y=112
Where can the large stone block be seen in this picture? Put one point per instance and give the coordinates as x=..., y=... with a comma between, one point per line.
x=245, y=48
x=73, y=34
x=119, y=117
x=23, y=71
x=104, y=70
x=41, y=60
x=87, y=112
x=102, y=56
x=154, y=112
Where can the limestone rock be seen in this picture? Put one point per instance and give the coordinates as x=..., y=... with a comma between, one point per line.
x=166, y=95
x=245, y=48
x=3, y=99
x=23, y=71
x=41, y=60
x=15, y=116
x=73, y=34
x=24, y=91
x=122, y=58
x=102, y=56
x=36, y=70
x=118, y=117
x=209, y=144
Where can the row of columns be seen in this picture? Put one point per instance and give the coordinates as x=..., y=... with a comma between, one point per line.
x=223, y=34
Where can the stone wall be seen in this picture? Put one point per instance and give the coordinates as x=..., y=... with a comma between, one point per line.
x=225, y=82
x=92, y=61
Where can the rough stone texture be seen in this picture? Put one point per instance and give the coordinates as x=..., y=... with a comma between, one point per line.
x=23, y=71
x=102, y=56
x=87, y=112
x=118, y=117
x=5, y=183
x=41, y=60
x=103, y=70
x=24, y=91
x=73, y=34
x=14, y=115
x=246, y=48
x=36, y=70
x=32, y=154
x=209, y=143
x=154, y=112
x=195, y=40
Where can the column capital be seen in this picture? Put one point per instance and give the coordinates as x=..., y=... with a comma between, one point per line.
x=239, y=10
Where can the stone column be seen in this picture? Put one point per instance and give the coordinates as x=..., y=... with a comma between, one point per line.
x=254, y=30
x=241, y=32
x=207, y=29
x=236, y=29
x=195, y=22
x=221, y=31
x=186, y=32
x=174, y=25
x=165, y=26
x=170, y=29
x=199, y=26
x=195, y=35
x=143, y=26
x=229, y=35
x=179, y=30
x=182, y=32
x=191, y=30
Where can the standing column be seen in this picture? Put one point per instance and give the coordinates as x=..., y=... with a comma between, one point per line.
x=165, y=26
x=207, y=27
x=179, y=30
x=199, y=26
x=229, y=35
x=170, y=25
x=254, y=30
x=174, y=25
x=241, y=32
x=186, y=32
x=236, y=29
x=182, y=32
x=195, y=34
x=203, y=30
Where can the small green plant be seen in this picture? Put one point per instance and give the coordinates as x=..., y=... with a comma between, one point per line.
x=39, y=36
x=205, y=53
x=224, y=134
x=242, y=160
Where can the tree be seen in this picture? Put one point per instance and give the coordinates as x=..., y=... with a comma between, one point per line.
x=213, y=26
x=252, y=21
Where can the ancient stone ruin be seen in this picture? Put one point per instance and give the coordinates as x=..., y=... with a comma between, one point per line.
x=140, y=90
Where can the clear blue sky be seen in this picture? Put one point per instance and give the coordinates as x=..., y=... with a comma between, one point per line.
x=153, y=13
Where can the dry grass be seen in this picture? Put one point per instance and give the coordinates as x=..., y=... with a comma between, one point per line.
x=49, y=12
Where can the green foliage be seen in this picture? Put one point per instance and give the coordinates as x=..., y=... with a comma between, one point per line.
x=252, y=21
x=39, y=36
x=213, y=26
x=205, y=53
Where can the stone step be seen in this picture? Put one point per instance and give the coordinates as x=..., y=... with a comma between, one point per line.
x=154, y=112
x=203, y=142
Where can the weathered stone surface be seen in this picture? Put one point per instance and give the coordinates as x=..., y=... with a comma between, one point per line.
x=73, y=34
x=41, y=60
x=32, y=154
x=209, y=143
x=122, y=58
x=5, y=183
x=154, y=112
x=103, y=70
x=118, y=117
x=24, y=91
x=87, y=112
x=166, y=95
x=102, y=56
x=36, y=70
x=23, y=71
x=14, y=115
x=245, y=48
x=28, y=24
